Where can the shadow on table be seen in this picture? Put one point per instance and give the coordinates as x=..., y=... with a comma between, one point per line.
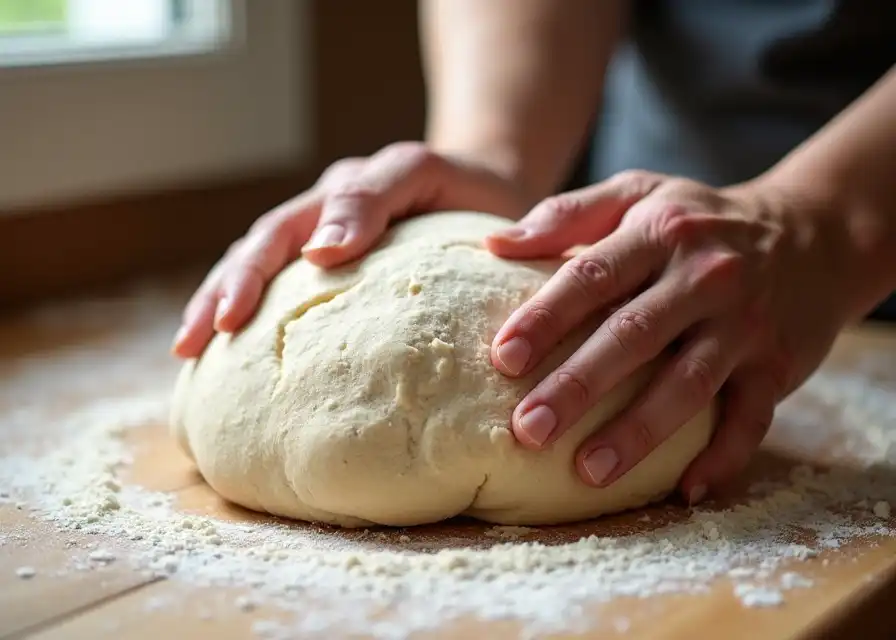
x=769, y=470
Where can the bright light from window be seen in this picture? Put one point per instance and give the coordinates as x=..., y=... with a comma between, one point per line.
x=34, y=32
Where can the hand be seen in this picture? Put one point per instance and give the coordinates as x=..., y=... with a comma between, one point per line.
x=337, y=220
x=746, y=281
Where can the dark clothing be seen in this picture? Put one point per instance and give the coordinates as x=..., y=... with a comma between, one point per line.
x=720, y=90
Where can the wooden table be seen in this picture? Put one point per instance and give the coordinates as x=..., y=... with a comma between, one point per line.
x=64, y=356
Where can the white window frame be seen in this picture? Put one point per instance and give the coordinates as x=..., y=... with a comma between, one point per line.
x=81, y=129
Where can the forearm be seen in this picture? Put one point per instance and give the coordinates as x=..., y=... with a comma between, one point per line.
x=515, y=83
x=848, y=169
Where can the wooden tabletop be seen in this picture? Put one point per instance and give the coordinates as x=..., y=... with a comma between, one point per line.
x=63, y=357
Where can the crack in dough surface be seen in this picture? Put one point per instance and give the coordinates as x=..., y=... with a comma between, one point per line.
x=374, y=401
x=296, y=314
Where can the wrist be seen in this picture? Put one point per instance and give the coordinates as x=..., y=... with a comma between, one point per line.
x=497, y=152
x=856, y=237
x=498, y=160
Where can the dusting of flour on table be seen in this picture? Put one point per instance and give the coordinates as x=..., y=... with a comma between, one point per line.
x=326, y=579
x=26, y=573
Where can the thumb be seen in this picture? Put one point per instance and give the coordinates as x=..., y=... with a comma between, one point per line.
x=357, y=208
x=580, y=217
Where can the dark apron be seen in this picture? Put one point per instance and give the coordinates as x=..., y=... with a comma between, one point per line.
x=720, y=90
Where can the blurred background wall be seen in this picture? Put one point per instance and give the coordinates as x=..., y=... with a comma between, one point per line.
x=141, y=141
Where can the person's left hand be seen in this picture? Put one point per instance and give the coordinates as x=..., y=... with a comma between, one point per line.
x=749, y=281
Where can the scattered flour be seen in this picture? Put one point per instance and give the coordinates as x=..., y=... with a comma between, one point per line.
x=245, y=604
x=758, y=596
x=157, y=603
x=102, y=556
x=327, y=579
x=26, y=573
x=791, y=580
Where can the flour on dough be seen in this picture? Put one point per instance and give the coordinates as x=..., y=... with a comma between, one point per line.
x=365, y=395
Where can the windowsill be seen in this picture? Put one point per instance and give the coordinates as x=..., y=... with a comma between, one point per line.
x=74, y=57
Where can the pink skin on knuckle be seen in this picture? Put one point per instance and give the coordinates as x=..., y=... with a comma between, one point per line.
x=674, y=226
x=716, y=270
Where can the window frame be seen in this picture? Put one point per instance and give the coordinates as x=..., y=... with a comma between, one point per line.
x=72, y=247
x=40, y=51
x=123, y=124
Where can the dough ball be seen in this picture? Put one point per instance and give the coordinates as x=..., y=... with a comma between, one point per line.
x=365, y=395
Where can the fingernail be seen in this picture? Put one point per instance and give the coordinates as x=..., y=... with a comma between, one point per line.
x=329, y=235
x=697, y=494
x=514, y=355
x=600, y=463
x=178, y=338
x=222, y=310
x=513, y=233
x=538, y=424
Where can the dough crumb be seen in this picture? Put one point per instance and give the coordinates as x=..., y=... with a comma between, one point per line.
x=509, y=532
x=882, y=509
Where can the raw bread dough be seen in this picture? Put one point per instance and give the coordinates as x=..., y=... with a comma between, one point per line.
x=366, y=395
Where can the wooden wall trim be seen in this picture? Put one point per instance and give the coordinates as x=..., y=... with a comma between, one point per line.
x=80, y=247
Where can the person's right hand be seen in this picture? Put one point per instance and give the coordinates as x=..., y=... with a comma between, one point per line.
x=337, y=220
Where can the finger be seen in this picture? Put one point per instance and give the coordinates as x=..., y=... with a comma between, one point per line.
x=683, y=387
x=750, y=399
x=604, y=273
x=196, y=329
x=273, y=242
x=393, y=183
x=630, y=337
x=579, y=217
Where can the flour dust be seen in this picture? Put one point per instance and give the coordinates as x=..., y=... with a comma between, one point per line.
x=756, y=545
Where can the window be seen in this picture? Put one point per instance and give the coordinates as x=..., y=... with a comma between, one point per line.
x=106, y=96
x=34, y=32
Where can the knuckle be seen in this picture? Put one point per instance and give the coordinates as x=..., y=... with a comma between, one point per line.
x=235, y=247
x=573, y=386
x=251, y=264
x=672, y=225
x=562, y=209
x=538, y=319
x=414, y=155
x=350, y=196
x=717, y=270
x=634, y=182
x=259, y=241
x=341, y=169
x=699, y=380
x=631, y=328
x=593, y=276
x=639, y=433
x=206, y=295
x=268, y=224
